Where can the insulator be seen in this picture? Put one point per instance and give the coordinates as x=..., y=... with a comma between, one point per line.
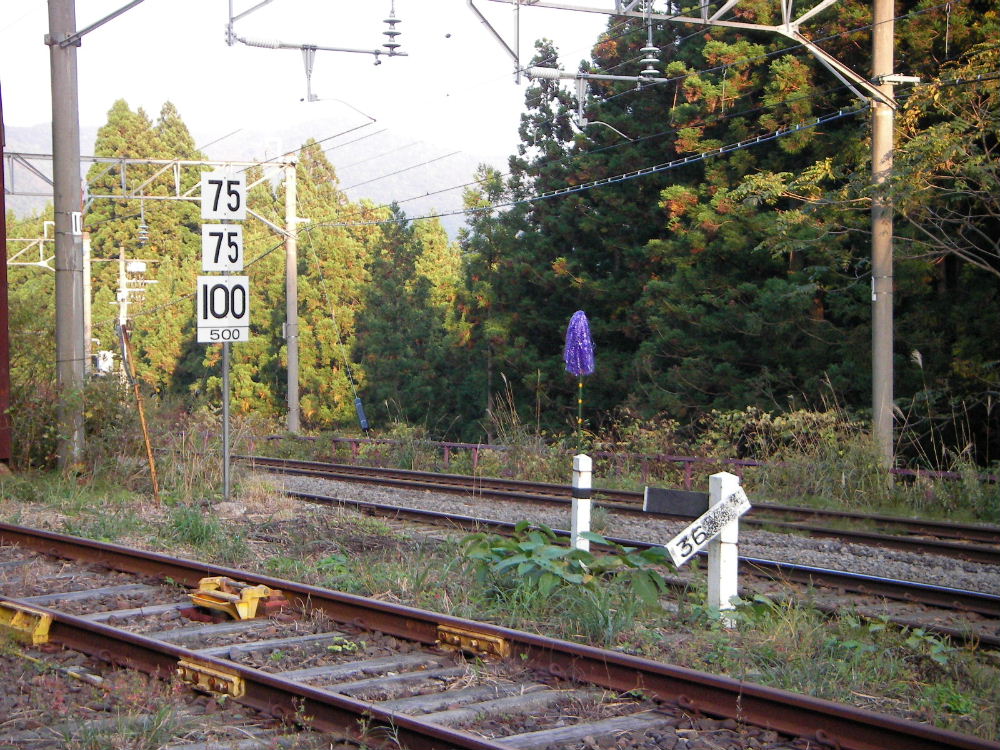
x=143, y=234
x=391, y=32
x=258, y=43
x=362, y=419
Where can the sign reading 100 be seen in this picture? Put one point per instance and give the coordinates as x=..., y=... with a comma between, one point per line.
x=223, y=304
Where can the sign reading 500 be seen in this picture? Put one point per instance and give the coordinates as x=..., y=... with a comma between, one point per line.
x=223, y=308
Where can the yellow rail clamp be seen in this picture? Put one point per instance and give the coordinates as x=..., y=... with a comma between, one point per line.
x=25, y=623
x=472, y=642
x=238, y=599
x=209, y=679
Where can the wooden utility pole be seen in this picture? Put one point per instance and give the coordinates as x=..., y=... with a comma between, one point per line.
x=69, y=236
x=882, y=275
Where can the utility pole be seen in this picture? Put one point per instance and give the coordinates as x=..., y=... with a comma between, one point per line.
x=69, y=254
x=882, y=216
x=88, y=311
x=292, y=298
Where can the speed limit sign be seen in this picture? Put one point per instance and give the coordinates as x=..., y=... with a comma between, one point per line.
x=221, y=247
x=223, y=309
x=223, y=195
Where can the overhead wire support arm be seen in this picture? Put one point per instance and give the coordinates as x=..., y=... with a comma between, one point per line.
x=858, y=84
x=315, y=47
x=74, y=39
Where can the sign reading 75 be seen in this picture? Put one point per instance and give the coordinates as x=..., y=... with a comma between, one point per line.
x=223, y=196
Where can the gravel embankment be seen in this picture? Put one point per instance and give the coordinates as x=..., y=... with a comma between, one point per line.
x=822, y=553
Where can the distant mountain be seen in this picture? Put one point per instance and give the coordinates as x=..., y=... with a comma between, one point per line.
x=372, y=163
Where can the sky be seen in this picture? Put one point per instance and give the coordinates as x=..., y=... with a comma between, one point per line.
x=455, y=88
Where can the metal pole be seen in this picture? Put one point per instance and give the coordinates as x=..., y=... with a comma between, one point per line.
x=69, y=260
x=580, y=522
x=88, y=317
x=122, y=288
x=882, y=219
x=291, y=298
x=225, y=421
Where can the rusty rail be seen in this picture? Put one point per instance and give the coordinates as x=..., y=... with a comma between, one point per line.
x=802, y=716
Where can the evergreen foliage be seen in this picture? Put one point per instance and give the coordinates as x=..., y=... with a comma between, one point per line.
x=733, y=283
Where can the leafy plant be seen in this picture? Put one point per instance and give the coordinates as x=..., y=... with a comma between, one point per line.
x=531, y=555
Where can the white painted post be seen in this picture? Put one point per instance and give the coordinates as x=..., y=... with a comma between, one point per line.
x=723, y=552
x=582, y=466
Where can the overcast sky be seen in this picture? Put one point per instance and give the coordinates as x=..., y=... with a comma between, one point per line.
x=454, y=88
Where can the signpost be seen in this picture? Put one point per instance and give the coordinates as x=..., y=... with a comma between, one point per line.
x=718, y=529
x=222, y=303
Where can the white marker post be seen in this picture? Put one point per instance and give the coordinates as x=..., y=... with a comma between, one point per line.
x=723, y=550
x=582, y=467
x=718, y=529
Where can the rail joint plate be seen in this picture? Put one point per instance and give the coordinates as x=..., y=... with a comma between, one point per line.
x=472, y=641
x=210, y=679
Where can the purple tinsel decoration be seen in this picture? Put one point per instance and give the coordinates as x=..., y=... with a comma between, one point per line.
x=579, y=352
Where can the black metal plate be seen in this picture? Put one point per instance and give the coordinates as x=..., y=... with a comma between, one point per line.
x=675, y=502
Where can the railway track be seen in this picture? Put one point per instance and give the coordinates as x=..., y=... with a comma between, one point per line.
x=391, y=676
x=964, y=616
x=973, y=542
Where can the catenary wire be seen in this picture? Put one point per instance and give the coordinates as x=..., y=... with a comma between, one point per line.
x=717, y=68
x=591, y=185
x=730, y=148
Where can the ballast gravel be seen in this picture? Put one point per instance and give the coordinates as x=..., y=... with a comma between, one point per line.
x=821, y=553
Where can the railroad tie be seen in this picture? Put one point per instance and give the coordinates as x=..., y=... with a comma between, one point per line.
x=182, y=635
x=394, y=684
x=124, y=614
x=578, y=732
x=515, y=704
x=336, y=672
x=240, y=649
x=451, y=699
x=84, y=594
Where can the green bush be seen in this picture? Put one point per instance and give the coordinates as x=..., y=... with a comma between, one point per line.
x=532, y=557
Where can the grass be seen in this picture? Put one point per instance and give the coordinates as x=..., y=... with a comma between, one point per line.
x=844, y=658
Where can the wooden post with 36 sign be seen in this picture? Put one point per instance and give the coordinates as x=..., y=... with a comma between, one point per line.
x=222, y=303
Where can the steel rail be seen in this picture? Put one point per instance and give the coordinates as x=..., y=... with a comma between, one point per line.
x=282, y=698
x=624, y=501
x=908, y=591
x=946, y=598
x=819, y=720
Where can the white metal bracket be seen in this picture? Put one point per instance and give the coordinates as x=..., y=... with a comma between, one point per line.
x=860, y=86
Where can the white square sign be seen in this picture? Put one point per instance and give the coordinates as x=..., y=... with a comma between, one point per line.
x=223, y=195
x=223, y=309
x=221, y=247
